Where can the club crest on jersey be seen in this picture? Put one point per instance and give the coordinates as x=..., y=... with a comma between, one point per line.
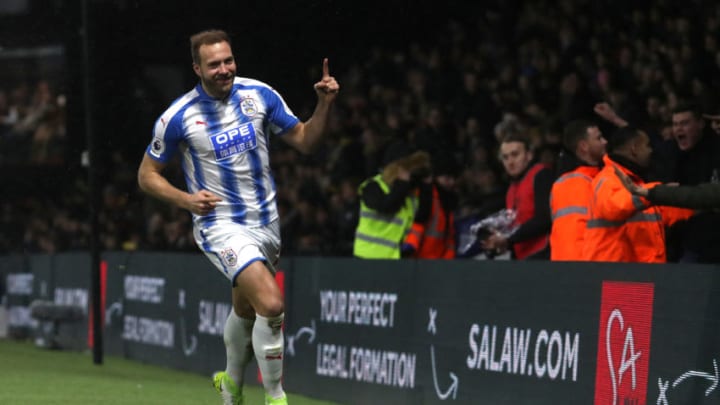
x=248, y=107
x=157, y=147
x=229, y=257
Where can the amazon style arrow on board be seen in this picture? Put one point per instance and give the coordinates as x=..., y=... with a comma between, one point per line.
x=305, y=330
x=453, y=389
x=663, y=385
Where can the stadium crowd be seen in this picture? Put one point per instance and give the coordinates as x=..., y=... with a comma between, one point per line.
x=527, y=71
x=32, y=124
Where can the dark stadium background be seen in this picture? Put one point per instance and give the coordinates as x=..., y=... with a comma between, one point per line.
x=274, y=41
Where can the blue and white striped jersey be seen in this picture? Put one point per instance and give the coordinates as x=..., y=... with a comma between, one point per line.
x=224, y=148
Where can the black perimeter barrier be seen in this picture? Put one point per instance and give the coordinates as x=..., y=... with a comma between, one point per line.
x=408, y=331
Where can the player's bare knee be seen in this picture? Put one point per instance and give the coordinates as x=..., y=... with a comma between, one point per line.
x=271, y=307
x=276, y=308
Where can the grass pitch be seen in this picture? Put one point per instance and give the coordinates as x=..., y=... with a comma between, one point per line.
x=30, y=375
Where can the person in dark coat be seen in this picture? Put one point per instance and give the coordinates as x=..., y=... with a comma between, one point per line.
x=701, y=196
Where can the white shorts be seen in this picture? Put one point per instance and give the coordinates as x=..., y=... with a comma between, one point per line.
x=232, y=247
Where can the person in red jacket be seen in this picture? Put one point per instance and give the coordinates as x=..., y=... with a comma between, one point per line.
x=432, y=235
x=528, y=195
x=623, y=227
x=571, y=193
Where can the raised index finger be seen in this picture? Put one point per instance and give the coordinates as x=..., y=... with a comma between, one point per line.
x=326, y=69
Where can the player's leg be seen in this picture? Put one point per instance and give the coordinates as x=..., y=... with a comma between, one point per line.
x=246, y=256
x=237, y=336
x=258, y=285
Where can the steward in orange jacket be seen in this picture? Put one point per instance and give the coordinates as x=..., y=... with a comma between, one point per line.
x=569, y=206
x=432, y=235
x=571, y=193
x=433, y=238
x=623, y=227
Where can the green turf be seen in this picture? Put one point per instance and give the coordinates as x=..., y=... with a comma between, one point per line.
x=30, y=375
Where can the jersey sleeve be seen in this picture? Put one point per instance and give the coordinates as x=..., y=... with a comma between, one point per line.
x=279, y=115
x=167, y=135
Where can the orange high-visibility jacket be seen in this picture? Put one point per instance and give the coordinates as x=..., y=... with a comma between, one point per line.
x=570, y=205
x=623, y=227
x=435, y=238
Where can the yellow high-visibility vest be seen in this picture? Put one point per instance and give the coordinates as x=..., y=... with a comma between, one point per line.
x=379, y=236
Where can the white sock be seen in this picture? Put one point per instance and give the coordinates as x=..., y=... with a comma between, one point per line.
x=267, y=340
x=238, y=346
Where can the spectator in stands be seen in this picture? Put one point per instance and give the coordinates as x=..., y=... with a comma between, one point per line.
x=607, y=112
x=345, y=209
x=692, y=158
x=6, y=119
x=476, y=76
x=435, y=132
x=621, y=227
x=694, y=154
x=571, y=193
x=528, y=195
x=432, y=235
x=480, y=186
x=388, y=202
x=302, y=229
x=41, y=102
x=48, y=136
x=713, y=115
